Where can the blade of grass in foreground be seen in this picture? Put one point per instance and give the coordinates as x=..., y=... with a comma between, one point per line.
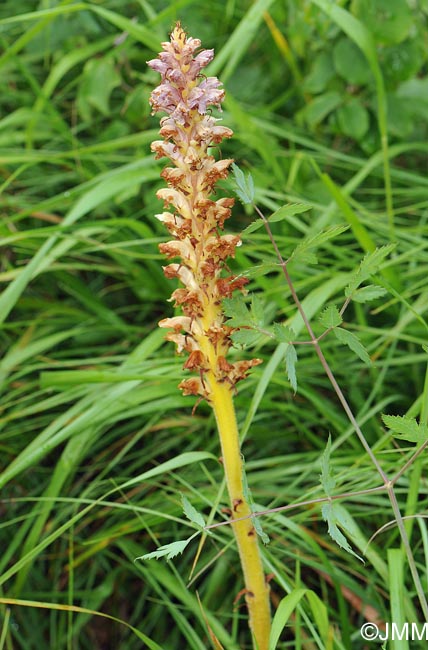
x=181, y=460
x=16, y=602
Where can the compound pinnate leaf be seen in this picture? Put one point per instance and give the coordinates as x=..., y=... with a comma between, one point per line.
x=168, y=550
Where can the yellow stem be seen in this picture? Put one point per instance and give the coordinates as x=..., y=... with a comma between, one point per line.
x=257, y=591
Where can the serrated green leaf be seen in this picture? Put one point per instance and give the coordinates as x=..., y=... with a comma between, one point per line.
x=372, y=261
x=237, y=312
x=283, y=333
x=334, y=514
x=191, y=513
x=288, y=210
x=317, y=240
x=353, y=342
x=328, y=482
x=290, y=364
x=245, y=189
x=238, y=175
x=168, y=550
x=370, y=292
x=259, y=530
x=330, y=317
x=245, y=337
x=254, y=225
x=303, y=256
x=406, y=428
x=369, y=266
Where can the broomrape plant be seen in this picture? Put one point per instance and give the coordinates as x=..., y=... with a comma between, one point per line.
x=186, y=95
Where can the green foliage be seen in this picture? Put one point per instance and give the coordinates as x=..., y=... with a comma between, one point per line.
x=240, y=316
x=171, y=550
x=368, y=267
x=370, y=292
x=245, y=185
x=290, y=365
x=245, y=337
x=350, y=63
x=97, y=442
x=321, y=107
x=256, y=520
x=100, y=78
x=351, y=340
x=191, y=513
x=330, y=317
x=280, y=214
x=389, y=20
x=168, y=550
x=303, y=250
x=406, y=428
x=283, y=333
x=353, y=119
x=286, y=608
x=237, y=312
x=342, y=80
x=328, y=482
x=260, y=531
x=333, y=513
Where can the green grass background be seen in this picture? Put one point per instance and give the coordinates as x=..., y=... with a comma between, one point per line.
x=328, y=102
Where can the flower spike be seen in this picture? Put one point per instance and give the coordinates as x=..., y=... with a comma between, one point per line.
x=194, y=219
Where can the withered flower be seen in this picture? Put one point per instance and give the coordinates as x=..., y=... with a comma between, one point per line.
x=194, y=219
